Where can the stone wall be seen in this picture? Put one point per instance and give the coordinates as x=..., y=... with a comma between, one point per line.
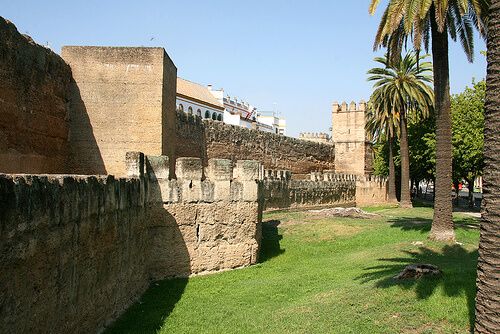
x=353, y=153
x=212, y=139
x=322, y=189
x=75, y=251
x=371, y=190
x=34, y=82
x=72, y=251
x=122, y=99
x=211, y=224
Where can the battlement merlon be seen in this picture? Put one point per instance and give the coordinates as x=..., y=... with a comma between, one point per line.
x=362, y=106
x=222, y=182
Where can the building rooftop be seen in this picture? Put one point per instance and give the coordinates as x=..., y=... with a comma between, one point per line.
x=194, y=91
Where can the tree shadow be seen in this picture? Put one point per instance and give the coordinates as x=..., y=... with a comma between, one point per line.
x=424, y=224
x=458, y=273
x=149, y=314
x=270, y=245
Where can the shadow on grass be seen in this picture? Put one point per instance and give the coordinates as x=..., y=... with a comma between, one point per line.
x=424, y=224
x=457, y=264
x=149, y=314
x=270, y=246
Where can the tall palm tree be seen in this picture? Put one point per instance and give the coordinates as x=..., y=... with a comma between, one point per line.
x=382, y=123
x=403, y=88
x=488, y=274
x=432, y=20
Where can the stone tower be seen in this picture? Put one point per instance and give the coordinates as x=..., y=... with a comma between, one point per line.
x=353, y=153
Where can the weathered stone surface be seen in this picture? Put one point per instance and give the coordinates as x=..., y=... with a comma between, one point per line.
x=34, y=83
x=122, y=99
x=72, y=251
x=211, y=139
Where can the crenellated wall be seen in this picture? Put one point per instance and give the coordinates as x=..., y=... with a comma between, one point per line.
x=75, y=251
x=212, y=139
x=72, y=251
x=321, y=189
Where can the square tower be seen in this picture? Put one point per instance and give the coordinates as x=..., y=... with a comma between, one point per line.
x=353, y=152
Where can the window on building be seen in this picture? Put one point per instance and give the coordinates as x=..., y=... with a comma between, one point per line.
x=198, y=112
x=207, y=114
x=219, y=118
x=190, y=111
x=181, y=107
x=214, y=116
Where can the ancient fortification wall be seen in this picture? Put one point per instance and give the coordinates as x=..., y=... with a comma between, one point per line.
x=72, y=251
x=34, y=83
x=352, y=150
x=122, y=99
x=76, y=251
x=322, y=189
x=211, y=139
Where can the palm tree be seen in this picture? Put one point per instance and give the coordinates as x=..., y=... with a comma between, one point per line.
x=382, y=123
x=423, y=21
x=488, y=274
x=402, y=88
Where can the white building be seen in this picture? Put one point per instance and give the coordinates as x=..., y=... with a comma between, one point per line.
x=277, y=124
x=196, y=99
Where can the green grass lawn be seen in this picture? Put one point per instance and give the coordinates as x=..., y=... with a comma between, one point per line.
x=325, y=275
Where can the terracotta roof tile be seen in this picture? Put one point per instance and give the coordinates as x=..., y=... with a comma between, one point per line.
x=196, y=91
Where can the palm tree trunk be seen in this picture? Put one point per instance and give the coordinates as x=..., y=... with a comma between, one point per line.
x=488, y=273
x=405, y=163
x=392, y=174
x=442, y=224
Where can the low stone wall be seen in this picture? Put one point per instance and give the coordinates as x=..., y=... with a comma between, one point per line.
x=72, y=251
x=208, y=139
x=75, y=251
x=371, y=190
x=210, y=222
x=34, y=90
x=321, y=189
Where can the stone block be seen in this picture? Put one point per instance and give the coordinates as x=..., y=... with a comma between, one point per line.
x=134, y=162
x=157, y=167
x=189, y=168
x=247, y=170
x=220, y=169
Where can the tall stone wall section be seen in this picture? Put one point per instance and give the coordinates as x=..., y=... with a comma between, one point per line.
x=212, y=139
x=122, y=99
x=34, y=84
x=76, y=251
x=353, y=152
x=321, y=189
x=72, y=251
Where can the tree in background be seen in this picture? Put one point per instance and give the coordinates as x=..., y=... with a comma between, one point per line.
x=467, y=116
x=425, y=21
x=401, y=90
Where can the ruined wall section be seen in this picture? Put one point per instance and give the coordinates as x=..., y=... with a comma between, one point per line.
x=72, y=251
x=34, y=82
x=207, y=223
x=322, y=189
x=209, y=139
x=122, y=99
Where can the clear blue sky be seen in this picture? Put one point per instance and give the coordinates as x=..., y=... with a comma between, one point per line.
x=301, y=55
